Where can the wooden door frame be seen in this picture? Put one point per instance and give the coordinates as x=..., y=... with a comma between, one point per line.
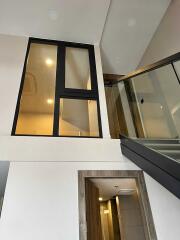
x=138, y=175
x=109, y=79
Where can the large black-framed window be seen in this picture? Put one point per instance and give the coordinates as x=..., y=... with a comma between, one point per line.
x=58, y=95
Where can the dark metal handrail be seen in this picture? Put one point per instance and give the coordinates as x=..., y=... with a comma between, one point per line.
x=161, y=168
x=148, y=68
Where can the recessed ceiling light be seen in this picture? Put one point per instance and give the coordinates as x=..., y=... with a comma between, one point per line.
x=50, y=101
x=49, y=61
x=126, y=191
x=53, y=15
x=100, y=199
x=131, y=22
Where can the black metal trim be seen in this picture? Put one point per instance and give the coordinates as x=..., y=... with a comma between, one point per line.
x=31, y=135
x=57, y=42
x=161, y=168
x=131, y=99
x=151, y=67
x=60, y=90
x=57, y=87
x=165, y=179
x=20, y=91
x=64, y=90
x=175, y=72
x=161, y=161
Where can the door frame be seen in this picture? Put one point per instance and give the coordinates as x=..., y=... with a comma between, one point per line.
x=145, y=208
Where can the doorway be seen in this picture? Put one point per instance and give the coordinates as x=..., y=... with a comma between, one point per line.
x=114, y=205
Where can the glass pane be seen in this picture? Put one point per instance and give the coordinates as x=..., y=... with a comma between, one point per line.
x=37, y=100
x=156, y=94
x=78, y=118
x=177, y=68
x=119, y=113
x=77, y=69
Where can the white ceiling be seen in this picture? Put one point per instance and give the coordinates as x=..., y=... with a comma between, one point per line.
x=129, y=28
x=70, y=20
x=110, y=187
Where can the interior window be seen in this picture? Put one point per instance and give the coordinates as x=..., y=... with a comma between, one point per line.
x=58, y=94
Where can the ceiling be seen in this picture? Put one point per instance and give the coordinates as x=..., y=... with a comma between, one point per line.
x=129, y=28
x=109, y=187
x=70, y=20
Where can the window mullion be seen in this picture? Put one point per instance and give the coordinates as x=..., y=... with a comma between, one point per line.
x=60, y=74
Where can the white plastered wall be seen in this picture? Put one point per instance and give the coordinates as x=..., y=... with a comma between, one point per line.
x=41, y=198
x=12, y=55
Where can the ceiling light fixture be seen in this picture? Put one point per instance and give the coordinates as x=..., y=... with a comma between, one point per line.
x=53, y=14
x=50, y=101
x=100, y=199
x=49, y=62
x=126, y=191
x=131, y=22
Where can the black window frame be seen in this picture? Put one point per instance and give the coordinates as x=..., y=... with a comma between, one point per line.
x=60, y=90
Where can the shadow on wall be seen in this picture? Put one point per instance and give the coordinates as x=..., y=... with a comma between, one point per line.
x=4, y=168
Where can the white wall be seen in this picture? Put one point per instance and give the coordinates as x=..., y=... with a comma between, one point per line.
x=102, y=97
x=166, y=40
x=12, y=56
x=41, y=199
x=59, y=149
x=165, y=209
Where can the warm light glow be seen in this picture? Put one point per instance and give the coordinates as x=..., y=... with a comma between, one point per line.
x=50, y=101
x=126, y=191
x=106, y=211
x=100, y=199
x=49, y=61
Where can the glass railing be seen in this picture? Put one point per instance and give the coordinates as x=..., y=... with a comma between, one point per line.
x=166, y=147
x=157, y=157
x=145, y=105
